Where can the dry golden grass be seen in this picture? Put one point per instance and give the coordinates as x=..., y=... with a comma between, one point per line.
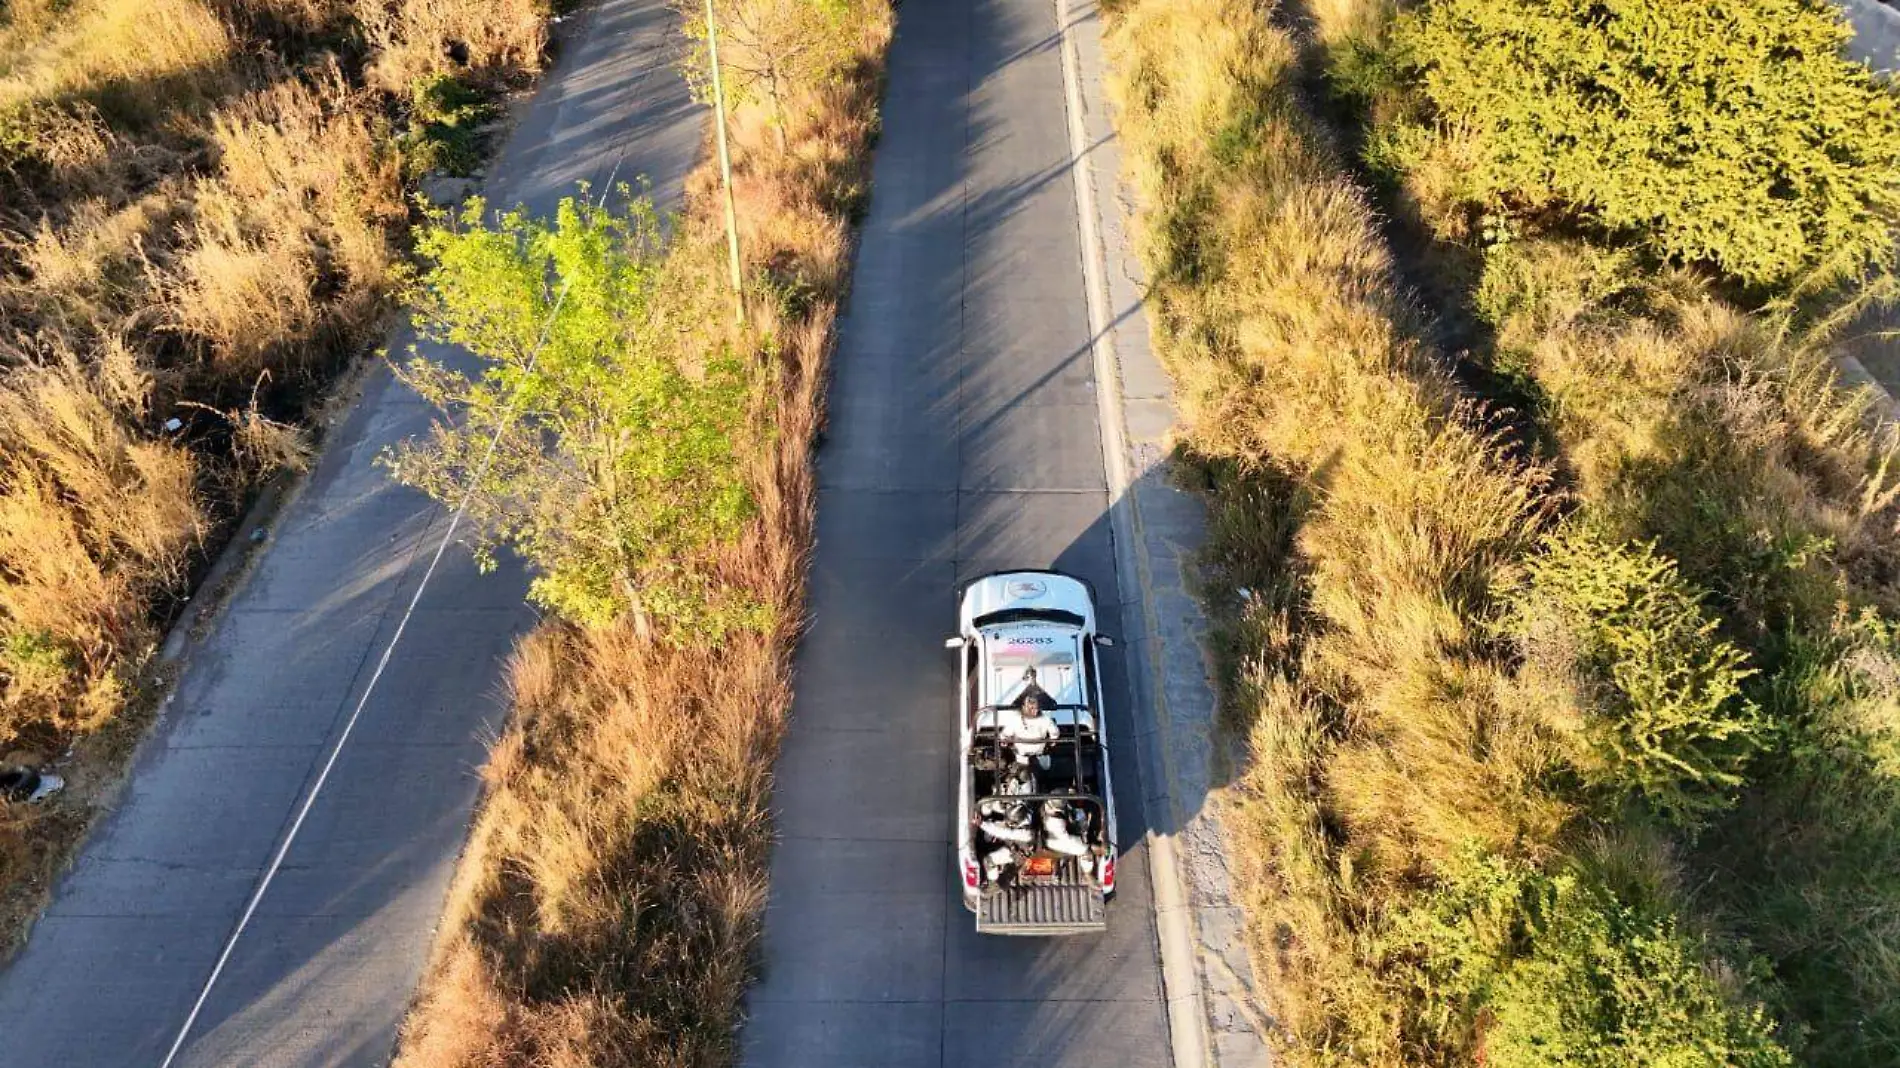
x=1649, y=373
x=608, y=898
x=1336, y=23
x=499, y=39
x=26, y=20
x=83, y=274
x=304, y=157
x=1386, y=731
x=93, y=521
x=245, y=294
x=292, y=235
x=137, y=62
x=273, y=262
x=607, y=906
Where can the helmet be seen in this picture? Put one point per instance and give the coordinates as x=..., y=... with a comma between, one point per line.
x=1055, y=807
x=1018, y=815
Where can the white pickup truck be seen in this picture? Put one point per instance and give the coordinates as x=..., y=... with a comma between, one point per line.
x=1035, y=811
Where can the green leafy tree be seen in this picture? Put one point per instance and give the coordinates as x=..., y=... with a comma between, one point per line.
x=1734, y=134
x=1668, y=721
x=616, y=459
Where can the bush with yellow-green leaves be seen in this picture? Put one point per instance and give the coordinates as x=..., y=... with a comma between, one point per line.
x=1735, y=135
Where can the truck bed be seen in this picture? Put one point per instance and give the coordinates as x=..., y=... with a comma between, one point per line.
x=1043, y=910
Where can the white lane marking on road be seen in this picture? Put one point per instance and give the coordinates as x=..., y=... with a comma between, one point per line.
x=1187, y=1023
x=349, y=725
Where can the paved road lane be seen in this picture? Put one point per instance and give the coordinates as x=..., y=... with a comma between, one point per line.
x=323, y=972
x=963, y=438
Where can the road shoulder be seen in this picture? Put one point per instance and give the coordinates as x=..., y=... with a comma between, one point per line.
x=1213, y=1004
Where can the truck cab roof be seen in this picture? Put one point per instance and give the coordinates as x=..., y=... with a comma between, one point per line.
x=1027, y=596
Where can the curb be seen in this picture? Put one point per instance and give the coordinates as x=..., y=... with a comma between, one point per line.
x=1186, y=1007
x=224, y=577
x=1206, y=972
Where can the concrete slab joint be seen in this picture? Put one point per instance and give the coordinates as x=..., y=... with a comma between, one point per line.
x=1212, y=996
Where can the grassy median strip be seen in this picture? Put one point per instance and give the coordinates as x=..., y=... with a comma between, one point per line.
x=1568, y=727
x=201, y=212
x=658, y=477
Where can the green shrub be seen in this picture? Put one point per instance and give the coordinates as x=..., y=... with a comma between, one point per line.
x=616, y=467
x=1733, y=134
x=35, y=662
x=1667, y=719
x=1811, y=874
x=446, y=115
x=1531, y=970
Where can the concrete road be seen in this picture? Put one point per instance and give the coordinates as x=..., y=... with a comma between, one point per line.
x=1876, y=40
x=323, y=972
x=963, y=438
x=1874, y=340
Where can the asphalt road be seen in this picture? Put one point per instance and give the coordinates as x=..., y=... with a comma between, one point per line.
x=324, y=970
x=963, y=438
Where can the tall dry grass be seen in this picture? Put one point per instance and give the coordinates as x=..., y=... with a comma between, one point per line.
x=1387, y=728
x=607, y=906
x=292, y=239
x=137, y=63
x=94, y=521
x=229, y=238
x=413, y=39
x=271, y=266
x=1416, y=771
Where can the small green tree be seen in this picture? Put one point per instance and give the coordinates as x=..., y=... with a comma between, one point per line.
x=1668, y=721
x=615, y=467
x=1734, y=134
x=770, y=50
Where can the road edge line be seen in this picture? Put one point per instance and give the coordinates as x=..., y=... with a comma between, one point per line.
x=1183, y=999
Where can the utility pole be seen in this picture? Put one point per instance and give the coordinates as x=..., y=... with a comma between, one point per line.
x=725, y=163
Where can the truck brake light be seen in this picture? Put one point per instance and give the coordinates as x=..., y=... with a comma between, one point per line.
x=969, y=873
x=1108, y=875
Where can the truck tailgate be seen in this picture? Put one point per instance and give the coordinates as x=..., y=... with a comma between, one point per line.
x=1043, y=910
